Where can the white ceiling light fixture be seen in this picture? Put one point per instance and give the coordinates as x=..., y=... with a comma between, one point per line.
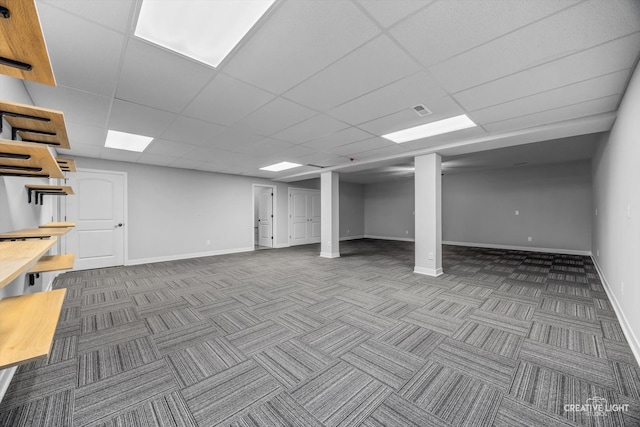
x=451, y=124
x=204, y=30
x=282, y=166
x=127, y=141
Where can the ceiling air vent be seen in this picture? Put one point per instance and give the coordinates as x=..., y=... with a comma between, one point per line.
x=421, y=110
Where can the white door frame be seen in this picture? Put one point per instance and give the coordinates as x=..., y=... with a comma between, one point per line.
x=273, y=208
x=125, y=195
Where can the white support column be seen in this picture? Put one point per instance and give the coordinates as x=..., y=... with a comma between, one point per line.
x=330, y=226
x=428, y=215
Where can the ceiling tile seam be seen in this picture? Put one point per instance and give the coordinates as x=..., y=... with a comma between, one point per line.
x=509, y=33
x=555, y=59
x=168, y=124
x=551, y=90
x=283, y=94
x=563, y=106
x=352, y=142
x=401, y=20
x=90, y=21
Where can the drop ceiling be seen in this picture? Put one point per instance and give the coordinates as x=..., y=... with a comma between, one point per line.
x=318, y=82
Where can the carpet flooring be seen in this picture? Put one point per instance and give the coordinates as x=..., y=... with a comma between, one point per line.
x=286, y=338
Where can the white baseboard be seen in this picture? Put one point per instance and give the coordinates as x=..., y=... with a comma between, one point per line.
x=352, y=237
x=519, y=248
x=633, y=341
x=433, y=272
x=400, y=239
x=187, y=256
x=329, y=254
x=6, y=375
x=281, y=245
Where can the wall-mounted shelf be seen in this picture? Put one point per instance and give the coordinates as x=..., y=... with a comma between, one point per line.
x=28, y=159
x=34, y=233
x=18, y=257
x=51, y=263
x=58, y=225
x=35, y=124
x=41, y=190
x=67, y=165
x=27, y=325
x=24, y=53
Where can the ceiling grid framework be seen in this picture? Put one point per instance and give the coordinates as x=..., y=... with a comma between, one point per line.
x=317, y=83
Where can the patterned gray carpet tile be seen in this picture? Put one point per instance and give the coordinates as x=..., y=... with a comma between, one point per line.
x=284, y=337
x=341, y=395
x=230, y=393
x=106, y=398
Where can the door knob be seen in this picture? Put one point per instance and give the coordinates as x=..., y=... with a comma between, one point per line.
x=119, y=225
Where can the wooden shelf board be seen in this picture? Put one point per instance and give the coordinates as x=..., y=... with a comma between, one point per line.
x=54, y=263
x=63, y=189
x=27, y=325
x=18, y=257
x=24, y=42
x=67, y=165
x=58, y=225
x=55, y=124
x=34, y=233
x=39, y=157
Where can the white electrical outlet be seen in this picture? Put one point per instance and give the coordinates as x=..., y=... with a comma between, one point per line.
x=430, y=255
x=517, y=212
x=530, y=239
x=597, y=252
x=208, y=242
x=406, y=231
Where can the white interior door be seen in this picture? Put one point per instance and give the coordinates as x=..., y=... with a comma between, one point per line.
x=304, y=217
x=265, y=217
x=98, y=208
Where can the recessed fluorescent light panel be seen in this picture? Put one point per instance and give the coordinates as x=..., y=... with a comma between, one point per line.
x=282, y=166
x=431, y=129
x=203, y=30
x=127, y=141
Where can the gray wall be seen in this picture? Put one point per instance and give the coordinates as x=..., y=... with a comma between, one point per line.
x=554, y=204
x=388, y=210
x=479, y=208
x=351, y=210
x=173, y=212
x=616, y=227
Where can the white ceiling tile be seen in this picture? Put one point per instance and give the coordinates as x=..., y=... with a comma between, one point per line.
x=404, y=94
x=315, y=127
x=156, y=159
x=168, y=148
x=388, y=12
x=441, y=108
x=79, y=106
x=138, y=119
x=71, y=44
x=119, y=155
x=447, y=28
x=581, y=27
x=588, y=108
x=151, y=76
x=609, y=84
x=113, y=14
x=192, y=131
x=186, y=163
x=299, y=39
x=206, y=154
x=361, y=146
x=617, y=55
x=233, y=138
x=275, y=116
x=79, y=133
x=343, y=137
x=388, y=151
x=264, y=147
x=368, y=68
x=226, y=100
